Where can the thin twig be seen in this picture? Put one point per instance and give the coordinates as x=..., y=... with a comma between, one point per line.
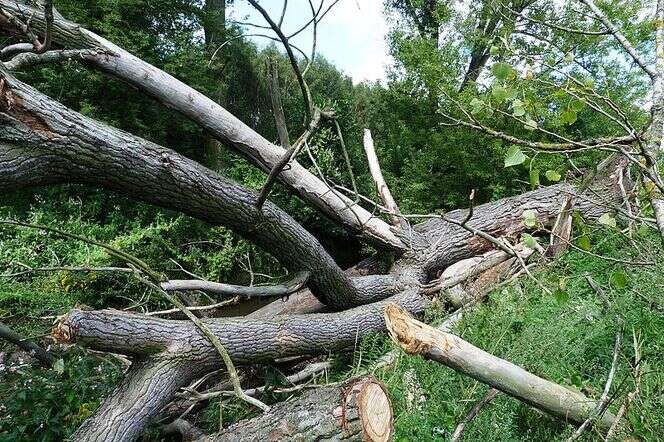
x=488, y=397
x=603, y=400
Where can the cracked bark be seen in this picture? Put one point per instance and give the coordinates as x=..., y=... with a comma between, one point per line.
x=43, y=142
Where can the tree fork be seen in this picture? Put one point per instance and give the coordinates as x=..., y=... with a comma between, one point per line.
x=43, y=142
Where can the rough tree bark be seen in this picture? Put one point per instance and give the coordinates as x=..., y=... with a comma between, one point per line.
x=358, y=410
x=42, y=142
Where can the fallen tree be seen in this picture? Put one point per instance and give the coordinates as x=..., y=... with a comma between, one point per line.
x=417, y=338
x=43, y=143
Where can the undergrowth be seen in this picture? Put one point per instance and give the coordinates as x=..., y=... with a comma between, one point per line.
x=567, y=338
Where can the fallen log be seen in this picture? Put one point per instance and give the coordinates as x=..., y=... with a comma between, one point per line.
x=418, y=338
x=358, y=410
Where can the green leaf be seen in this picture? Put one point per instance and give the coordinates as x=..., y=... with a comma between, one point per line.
x=530, y=124
x=569, y=57
x=499, y=93
x=529, y=218
x=518, y=109
x=514, y=156
x=607, y=220
x=568, y=117
x=529, y=241
x=476, y=105
x=534, y=178
x=576, y=105
x=552, y=175
x=503, y=71
x=562, y=296
x=619, y=280
x=584, y=243
x=494, y=50
x=59, y=366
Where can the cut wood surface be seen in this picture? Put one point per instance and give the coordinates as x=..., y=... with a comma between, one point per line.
x=417, y=338
x=358, y=410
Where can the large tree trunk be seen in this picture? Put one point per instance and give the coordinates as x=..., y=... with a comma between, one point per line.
x=358, y=410
x=43, y=142
x=147, y=388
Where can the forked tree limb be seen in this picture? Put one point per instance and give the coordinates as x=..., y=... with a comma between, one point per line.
x=224, y=126
x=418, y=338
x=358, y=410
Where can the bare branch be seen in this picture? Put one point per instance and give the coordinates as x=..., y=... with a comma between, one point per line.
x=44, y=357
x=277, y=108
x=286, y=158
x=621, y=38
x=306, y=94
x=28, y=59
x=488, y=397
x=379, y=181
x=217, y=288
x=603, y=402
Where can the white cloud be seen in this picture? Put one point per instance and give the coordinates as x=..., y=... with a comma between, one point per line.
x=352, y=35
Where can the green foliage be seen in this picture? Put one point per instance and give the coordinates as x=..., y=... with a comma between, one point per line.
x=49, y=404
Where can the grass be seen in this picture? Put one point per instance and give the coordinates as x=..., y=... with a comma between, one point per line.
x=566, y=339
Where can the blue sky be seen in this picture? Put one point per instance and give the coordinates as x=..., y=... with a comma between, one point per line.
x=352, y=35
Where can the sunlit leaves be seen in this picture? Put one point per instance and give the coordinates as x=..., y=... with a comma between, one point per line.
x=514, y=156
x=568, y=117
x=584, y=243
x=503, y=71
x=529, y=241
x=530, y=124
x=552, y=175
x=607, y=220
x=518, y=108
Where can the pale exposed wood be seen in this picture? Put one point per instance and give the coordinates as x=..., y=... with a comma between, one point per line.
x=379, y=181
x=417, y=338
x=562, y=229
x=358, y=410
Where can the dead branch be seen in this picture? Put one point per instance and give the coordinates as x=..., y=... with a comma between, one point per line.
x=603, y=402
x=217, y=288
x=381, y=185
x=486, y=399
x=415, y=337
x=44, y=357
